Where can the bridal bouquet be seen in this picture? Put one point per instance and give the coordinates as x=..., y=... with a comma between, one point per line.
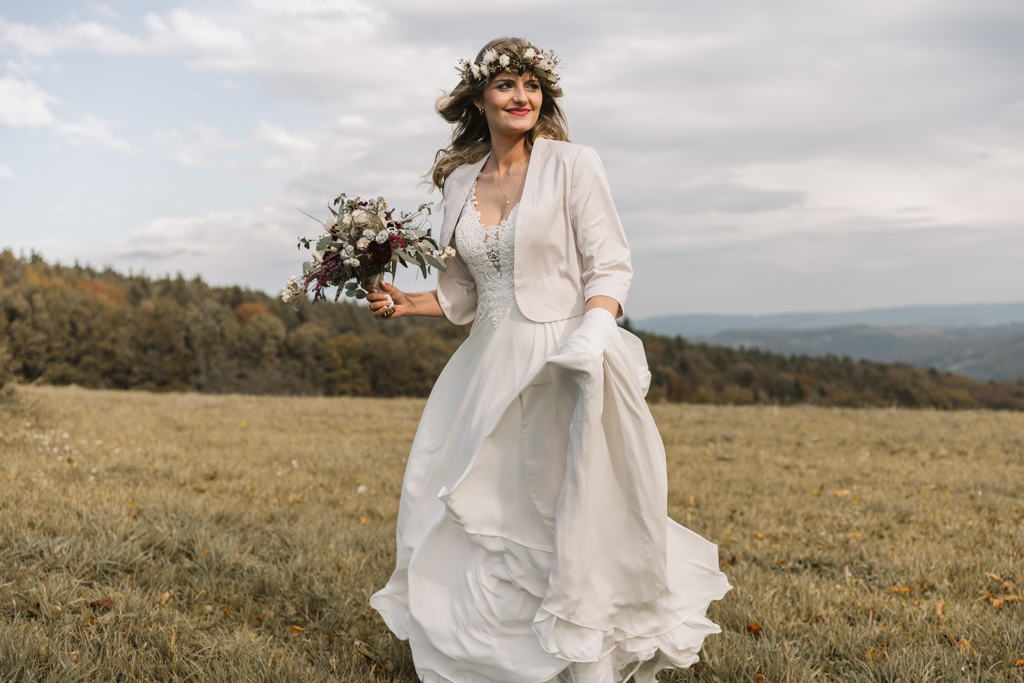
x=364, y=242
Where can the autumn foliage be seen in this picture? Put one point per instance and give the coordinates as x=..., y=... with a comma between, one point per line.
x=104, y=329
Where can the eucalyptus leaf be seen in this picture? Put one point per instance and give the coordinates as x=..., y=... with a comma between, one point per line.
x=349, y=292
x=360, y=294
x=433, y=261
x=351, y=284
x=324, y=242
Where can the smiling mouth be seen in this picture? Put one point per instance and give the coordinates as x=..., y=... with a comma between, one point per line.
x=518, y=112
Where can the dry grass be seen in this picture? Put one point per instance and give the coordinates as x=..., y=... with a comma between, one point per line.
x=172, y=537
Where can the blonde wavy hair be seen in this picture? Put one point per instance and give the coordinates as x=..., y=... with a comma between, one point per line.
x=471, y=139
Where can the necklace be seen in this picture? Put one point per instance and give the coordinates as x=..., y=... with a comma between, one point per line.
x=497, y=178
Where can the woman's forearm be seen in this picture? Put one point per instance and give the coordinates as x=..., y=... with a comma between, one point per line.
x=606, y=302
x=424, y=304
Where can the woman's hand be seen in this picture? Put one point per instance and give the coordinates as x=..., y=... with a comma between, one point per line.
x=391, y=298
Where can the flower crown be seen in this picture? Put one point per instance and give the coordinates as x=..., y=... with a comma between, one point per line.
x=519, y=60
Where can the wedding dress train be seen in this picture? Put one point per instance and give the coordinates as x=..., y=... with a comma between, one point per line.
x=533, y=542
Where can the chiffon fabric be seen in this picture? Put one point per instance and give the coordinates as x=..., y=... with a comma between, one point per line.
x=533, y=543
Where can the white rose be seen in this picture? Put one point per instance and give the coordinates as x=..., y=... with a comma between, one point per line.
x=530, y=53
x=490, y=56
x=369, y=234
x=318, y=257
x=381, y=237
x=362, y=217
x=363, y=243
x=503, y=60
x=485, y=70
x=352, y=262
x=475, y=69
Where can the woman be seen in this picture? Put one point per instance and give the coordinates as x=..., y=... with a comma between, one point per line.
x=533, y=543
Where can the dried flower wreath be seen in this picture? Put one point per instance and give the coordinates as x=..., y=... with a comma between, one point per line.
x=521, y=60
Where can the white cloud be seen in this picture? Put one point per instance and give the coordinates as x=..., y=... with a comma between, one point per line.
x=102, y=10
x=24, y=105
x=34, y=41
x=91, y=130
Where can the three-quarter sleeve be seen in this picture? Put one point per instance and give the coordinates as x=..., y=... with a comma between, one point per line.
x=456, y=288
x=605, y=262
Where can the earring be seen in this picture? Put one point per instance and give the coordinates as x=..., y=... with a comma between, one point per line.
x=481, y=110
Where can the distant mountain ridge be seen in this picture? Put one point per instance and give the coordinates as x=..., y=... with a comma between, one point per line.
x=699, y=326
x=980, y=352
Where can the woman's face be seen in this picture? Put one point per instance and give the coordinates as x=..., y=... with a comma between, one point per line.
x=512, y=103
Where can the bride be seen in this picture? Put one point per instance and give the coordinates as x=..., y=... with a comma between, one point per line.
x=533, y=542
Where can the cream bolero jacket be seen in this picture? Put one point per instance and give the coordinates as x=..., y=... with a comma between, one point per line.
x=569, y=243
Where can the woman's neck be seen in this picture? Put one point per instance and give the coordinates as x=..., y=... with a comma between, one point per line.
x=508, y=152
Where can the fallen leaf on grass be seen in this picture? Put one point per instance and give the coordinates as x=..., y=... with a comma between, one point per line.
x=1020, y=662
x=961, y=643
x=938, y=609
x=362, y=520
x=360, y=650
x=997, y=602
x=855, y=534
x=754, y=629
x=165, y=597
x=105, y=603
x=296, y=629
x=901, y=589
x=758, y=678
x=994, y=577
x=759, y=536
x=781, y=562
x=844, y=492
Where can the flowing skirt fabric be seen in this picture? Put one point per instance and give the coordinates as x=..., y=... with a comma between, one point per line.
x=533, y=544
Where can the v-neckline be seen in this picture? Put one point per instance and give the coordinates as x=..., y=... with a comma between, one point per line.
x=476, y=212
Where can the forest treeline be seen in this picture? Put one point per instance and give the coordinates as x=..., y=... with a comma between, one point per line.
x=105, y=329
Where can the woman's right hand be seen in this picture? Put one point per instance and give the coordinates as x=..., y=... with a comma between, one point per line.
x=380, y=301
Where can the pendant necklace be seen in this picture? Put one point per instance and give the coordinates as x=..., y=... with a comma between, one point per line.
x=497, y=179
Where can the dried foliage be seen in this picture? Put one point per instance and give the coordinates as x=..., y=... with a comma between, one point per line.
x=177, y=537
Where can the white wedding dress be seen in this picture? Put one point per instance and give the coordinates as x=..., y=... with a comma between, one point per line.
x=533, y=543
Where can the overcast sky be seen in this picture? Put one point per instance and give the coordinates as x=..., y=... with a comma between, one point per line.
x=765, y=155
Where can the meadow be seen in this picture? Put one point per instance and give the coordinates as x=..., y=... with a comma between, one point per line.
x=188, y=537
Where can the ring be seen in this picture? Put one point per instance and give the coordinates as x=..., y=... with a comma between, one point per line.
x=387, y=311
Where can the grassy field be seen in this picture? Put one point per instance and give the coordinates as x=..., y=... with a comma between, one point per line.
x=235, y=538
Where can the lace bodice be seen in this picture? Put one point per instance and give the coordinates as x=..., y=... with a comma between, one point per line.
x=488, y=252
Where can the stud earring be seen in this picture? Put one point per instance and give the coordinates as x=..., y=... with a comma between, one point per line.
x=481, y=110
